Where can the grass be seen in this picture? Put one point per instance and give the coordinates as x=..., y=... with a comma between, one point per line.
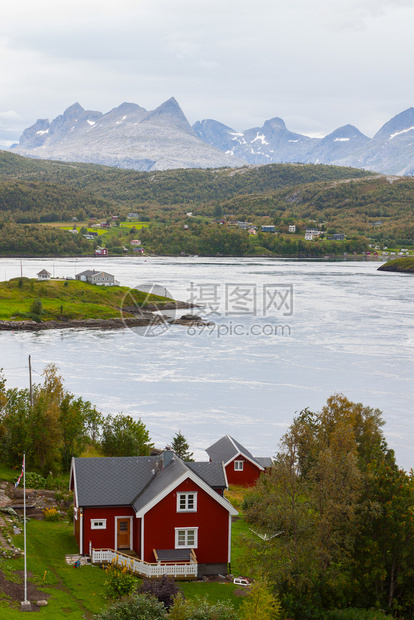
x=9, y=474
x=403, y=265
x=215, y=591
x=69, y=299
x=78, y=593
x=74, y=593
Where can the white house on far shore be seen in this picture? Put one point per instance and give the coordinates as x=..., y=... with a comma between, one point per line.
x=101, y=278
x=44, y=275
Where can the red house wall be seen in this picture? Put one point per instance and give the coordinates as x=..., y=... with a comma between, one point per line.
x=247, y=477
x=106, y=538
x=211, y=518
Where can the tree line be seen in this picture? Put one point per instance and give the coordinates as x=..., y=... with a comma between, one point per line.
x=50, y=424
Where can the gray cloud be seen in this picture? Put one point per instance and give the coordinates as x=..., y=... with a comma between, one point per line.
x=318, y=65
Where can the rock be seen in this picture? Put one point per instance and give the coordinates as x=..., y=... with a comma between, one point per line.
x=42, y=603
x=190, y=317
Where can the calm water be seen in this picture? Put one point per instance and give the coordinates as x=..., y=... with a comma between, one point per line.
x=288, y=334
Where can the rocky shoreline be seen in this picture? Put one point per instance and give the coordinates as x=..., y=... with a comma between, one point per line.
x=399, y=265
x=144, y=320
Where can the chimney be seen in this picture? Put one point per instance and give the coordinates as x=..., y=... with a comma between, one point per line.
x=168, y=455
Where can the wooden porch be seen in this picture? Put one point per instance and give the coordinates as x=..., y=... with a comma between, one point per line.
x=176, y=569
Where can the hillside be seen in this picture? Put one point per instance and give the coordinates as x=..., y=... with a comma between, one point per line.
x=46, y=196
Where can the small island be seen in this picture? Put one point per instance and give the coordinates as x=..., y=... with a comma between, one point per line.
x=399, y=265
x=30, y=304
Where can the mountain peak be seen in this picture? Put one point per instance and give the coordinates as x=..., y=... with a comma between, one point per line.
x=400, y=124
x=170, y=112
x=73, y=110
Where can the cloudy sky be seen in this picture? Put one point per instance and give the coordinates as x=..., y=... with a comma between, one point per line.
x=318, y=65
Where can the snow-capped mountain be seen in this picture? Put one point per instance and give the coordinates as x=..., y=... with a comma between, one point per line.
x=391, y=150
x=126, y=137
x=272, y=143
x=339, y=144
x=131, y=137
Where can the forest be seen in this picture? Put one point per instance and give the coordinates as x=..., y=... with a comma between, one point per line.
x=194, y=211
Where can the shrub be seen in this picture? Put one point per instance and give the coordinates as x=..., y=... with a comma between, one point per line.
x=164, y=589
x=51, y=514
x=261, y=604
x=138, y=607
x=36, y=310
x=119, y=581
x=35, y=481
x=70, y=513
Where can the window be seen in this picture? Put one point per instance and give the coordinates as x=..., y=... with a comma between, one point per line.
x=186, y=538
x=98, y=524
x=238, y=465
x=186, y=502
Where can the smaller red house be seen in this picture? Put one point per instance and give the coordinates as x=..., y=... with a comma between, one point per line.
x=154, y=508
x=241, y=467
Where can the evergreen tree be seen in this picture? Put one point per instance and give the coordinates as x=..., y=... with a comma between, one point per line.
x=181, y=447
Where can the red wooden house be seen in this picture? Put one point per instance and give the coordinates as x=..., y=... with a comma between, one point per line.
x=156, y=508
x=241, y=467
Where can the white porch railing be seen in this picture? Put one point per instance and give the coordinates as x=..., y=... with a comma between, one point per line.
x=186, y=570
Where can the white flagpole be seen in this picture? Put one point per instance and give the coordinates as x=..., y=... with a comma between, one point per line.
x=24, y=526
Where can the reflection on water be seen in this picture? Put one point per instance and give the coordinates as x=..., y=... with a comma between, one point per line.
x=350, y=330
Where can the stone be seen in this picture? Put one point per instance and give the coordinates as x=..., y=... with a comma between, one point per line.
x=41, y=603
x=25, y=606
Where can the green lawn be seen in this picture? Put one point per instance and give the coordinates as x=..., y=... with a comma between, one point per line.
x=79, y=593
x=74, y=593
x=71, y=299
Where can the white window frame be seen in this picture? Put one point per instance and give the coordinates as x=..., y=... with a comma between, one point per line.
x=98, y=524
x=186, y=497
x=186, y=545
x=238, y=465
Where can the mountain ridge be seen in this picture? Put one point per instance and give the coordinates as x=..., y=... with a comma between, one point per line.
x=129, y=136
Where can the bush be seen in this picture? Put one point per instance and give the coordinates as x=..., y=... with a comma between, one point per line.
x=138, y=607
x=51, y=514
x=164, y=589
x=35, y=481
x=70, y=513
x=119, y=582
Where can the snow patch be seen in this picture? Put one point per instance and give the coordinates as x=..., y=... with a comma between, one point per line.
x=398, y=133
x=90, y=122
x=294, y=140
x=260, y=137
x=341, y=140
x=41, y=133
x=235, y=133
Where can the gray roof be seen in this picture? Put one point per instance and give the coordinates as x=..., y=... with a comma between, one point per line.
x=160, y=481
x=265, y=461
x=227, y=448
x=135, y=481
x=112, y=481
x=88, y=273
x=211, y=473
